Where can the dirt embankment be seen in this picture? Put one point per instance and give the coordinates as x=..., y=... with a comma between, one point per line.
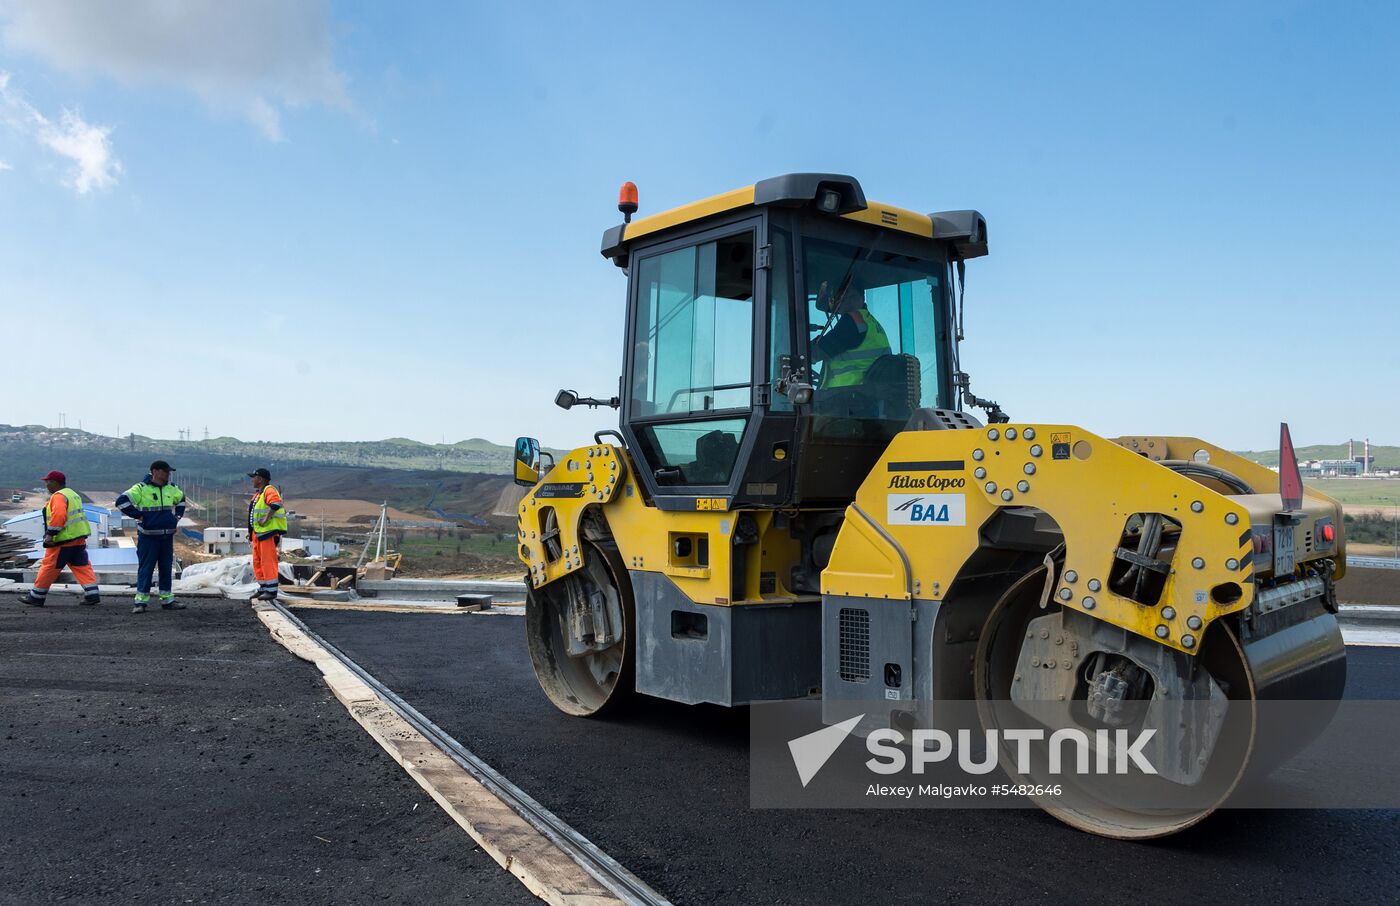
x=413, y=491
x=508, y=501
x=1369, y=586
x=351, y=512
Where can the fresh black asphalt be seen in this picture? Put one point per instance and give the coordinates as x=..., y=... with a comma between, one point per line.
x=665, y=791
x=186, y=757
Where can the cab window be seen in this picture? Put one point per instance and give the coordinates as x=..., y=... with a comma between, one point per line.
x=693, y=338
x=873, y=326
x=692, y=354
x=693, y=452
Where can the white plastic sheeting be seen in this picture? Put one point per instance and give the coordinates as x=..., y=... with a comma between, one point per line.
x=233, y=576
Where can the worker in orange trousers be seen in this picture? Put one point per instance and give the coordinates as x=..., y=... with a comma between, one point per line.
x=66, y=531
x=267, y=523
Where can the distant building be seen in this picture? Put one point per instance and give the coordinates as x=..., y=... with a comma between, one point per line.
x=1331, y=468
x=235, y=541
x=227, y=541
x=312, y=546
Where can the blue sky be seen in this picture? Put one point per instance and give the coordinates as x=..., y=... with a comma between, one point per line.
x=362, y=220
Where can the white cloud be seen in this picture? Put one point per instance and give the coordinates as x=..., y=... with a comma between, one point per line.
x=251, y=58
x=5, y=166
x=86, y=145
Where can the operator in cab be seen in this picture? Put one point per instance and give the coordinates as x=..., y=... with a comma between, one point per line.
x=851, y=340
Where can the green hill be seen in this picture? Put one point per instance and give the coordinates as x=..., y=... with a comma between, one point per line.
x=1384, y=457
x=31, y=450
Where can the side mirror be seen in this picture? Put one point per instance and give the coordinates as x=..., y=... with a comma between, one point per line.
x=527, y=461
x=566, y=399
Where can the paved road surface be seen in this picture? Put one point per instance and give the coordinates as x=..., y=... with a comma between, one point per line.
x=185, y=757
x=665, y=791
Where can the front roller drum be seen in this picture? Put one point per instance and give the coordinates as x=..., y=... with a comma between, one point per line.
x=1206, y=707
x=580, y=631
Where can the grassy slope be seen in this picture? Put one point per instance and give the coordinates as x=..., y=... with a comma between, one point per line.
x=32, y=450
x=1377, y=492
x=91, y=461
x=1385, y=457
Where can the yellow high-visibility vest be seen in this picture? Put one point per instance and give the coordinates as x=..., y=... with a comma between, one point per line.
x=264, y=520
x=77, y=525
x=848, y=369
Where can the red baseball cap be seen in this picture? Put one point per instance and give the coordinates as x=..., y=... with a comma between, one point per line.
x=55, y=475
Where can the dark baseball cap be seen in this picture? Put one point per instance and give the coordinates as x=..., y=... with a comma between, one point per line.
x=162, y=464
x=55, y=476
x=261, y=473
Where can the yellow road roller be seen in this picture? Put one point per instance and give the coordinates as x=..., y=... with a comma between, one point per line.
x=799, y=502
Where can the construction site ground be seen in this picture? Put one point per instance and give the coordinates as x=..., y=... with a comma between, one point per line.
x=665, y=790
x=185, y=757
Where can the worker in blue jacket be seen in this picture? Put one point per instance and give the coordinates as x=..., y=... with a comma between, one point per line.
x=157, y=506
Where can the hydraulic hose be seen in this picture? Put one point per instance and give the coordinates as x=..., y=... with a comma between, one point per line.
x=1203, y=470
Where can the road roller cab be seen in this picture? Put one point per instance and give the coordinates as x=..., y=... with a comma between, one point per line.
x=796, y=504
x=734, y=384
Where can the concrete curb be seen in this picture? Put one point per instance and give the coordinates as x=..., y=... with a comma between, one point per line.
x=1369, y=613
x=297, y=603
x=1372, y=563
x=1375, y=625
x=380, y=605
x=441, y=589
x=544, y=869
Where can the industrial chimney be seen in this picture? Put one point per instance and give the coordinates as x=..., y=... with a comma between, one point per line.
x=1366, y=464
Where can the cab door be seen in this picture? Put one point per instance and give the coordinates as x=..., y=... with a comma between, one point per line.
x=688, y=388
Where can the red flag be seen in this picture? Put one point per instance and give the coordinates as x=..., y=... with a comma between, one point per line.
x=1290, y=480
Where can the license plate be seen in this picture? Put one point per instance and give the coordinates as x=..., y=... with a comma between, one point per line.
x=1284, y=559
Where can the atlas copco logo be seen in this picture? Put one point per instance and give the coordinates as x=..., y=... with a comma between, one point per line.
x=1070, y=749
x=928, y=482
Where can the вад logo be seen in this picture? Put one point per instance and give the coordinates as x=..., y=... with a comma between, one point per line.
x=926, y=509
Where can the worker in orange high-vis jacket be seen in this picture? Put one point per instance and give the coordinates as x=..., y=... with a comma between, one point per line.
x=66, y=532
x=267, y=523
